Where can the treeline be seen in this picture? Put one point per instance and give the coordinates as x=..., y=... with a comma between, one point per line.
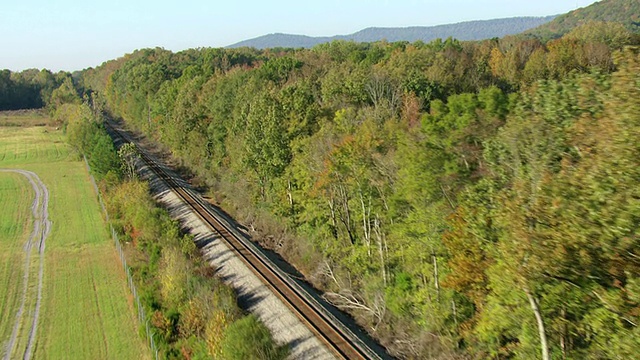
x=460, y=199
x=192, y=313
x=32, y=89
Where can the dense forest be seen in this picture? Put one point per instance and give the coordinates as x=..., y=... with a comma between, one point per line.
x=30, y=89
x=626, y=12
x=459, y=199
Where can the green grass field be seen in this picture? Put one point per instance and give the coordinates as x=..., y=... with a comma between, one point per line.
x=23, y=118
x=86, y=310
x=15, y=226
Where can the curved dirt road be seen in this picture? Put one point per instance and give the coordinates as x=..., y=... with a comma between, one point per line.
x=36, y=244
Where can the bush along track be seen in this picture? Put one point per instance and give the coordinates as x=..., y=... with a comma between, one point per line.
x=26, y=318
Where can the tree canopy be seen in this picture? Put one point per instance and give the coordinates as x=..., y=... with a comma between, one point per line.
x=470, y=199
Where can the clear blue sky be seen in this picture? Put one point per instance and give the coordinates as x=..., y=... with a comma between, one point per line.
x=73, y=35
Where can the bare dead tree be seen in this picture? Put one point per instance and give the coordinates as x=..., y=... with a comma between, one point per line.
x=346, y=299
x=535, y=307
x=366, y=222
x=381, y=90
x=382, y=248
x=326, y=270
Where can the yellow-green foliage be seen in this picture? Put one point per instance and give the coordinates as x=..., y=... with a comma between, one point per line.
x=173, y=271
x=214, y=332
x=191, y=308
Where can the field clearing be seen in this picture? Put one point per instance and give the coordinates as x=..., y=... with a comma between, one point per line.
x=24, y=145
x=24, y=118
x=86, y=310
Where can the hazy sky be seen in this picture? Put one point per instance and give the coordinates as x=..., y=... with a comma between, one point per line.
x=73, y=35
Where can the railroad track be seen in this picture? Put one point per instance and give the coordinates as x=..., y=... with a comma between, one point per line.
x=327, y=328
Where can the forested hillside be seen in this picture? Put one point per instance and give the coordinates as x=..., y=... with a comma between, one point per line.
x=460, y=199
x=626, y=12
x=468, y=30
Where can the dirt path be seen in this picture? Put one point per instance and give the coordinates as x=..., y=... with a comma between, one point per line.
x=35, y=243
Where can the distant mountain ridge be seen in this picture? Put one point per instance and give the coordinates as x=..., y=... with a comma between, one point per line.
x=468, y=30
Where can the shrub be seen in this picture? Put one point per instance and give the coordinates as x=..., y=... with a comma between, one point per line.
x=248, y=338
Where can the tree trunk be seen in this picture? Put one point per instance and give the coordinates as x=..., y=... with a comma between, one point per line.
x=381, y=249
x=543, y=336
x=563, y=342
x=290, y=196
x=454, y=309
x=334, y=222
x=263, y=190
x=346, y=213
x=436, y=282
x=149, y=113
x=453, y=207
x=366, y=224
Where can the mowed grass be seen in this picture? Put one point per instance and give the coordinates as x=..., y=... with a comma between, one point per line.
x=15, y=224
x=25, y=145
x=24, y=118
x=87, y=311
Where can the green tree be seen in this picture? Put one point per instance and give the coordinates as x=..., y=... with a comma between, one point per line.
x=65, y=94
x=128, y=154
x=267, y=151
